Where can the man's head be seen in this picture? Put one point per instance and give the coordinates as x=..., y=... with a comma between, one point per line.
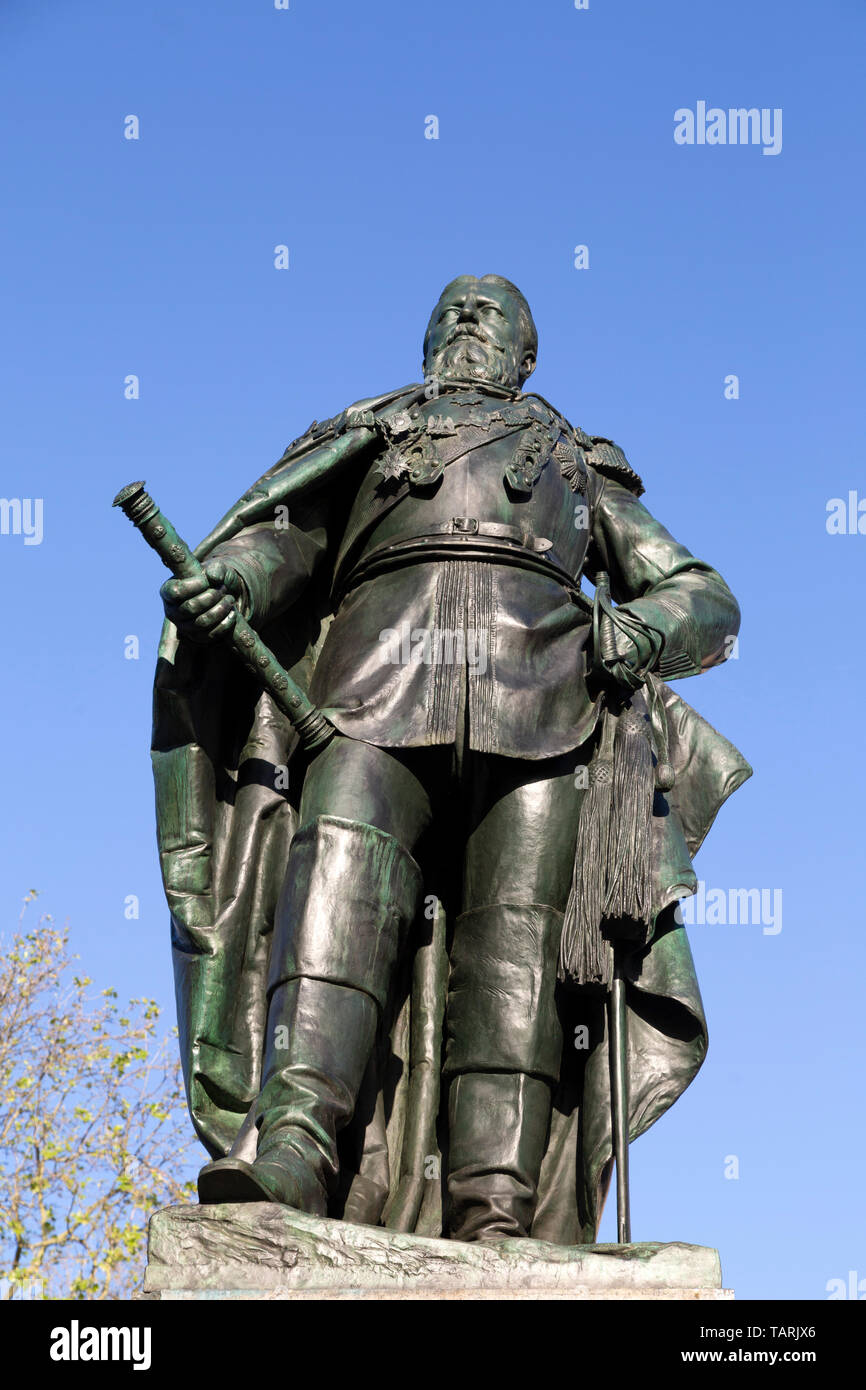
x=481, y=330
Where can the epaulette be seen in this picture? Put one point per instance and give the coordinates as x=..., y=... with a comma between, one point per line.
x=565, y=426
x=608, y=459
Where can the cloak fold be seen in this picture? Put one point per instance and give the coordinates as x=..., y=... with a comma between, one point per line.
x=227, y=779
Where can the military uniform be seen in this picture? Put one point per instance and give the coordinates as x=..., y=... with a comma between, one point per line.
x=476, y=515
x=527, y=504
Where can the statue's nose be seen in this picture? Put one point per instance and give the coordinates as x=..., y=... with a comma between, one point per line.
x=469, y=311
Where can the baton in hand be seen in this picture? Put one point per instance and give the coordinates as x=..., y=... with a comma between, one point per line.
x=314, y=730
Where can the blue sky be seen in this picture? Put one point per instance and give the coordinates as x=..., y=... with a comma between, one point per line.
x=155, y=257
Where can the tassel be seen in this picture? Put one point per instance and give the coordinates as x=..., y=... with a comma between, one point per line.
x=611, y=886
x=584, y=956
x=612, y=880
x=628, y=900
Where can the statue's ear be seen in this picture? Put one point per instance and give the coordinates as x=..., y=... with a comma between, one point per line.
x=527, y=366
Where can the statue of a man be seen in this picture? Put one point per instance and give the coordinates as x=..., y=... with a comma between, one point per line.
x=392, y=956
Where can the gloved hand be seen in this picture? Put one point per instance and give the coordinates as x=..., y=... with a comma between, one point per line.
x=636, y=649
x=205, y=609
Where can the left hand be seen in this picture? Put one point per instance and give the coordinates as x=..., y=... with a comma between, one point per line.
x=635, y=653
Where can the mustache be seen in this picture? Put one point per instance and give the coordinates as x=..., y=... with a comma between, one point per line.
x=470, y=330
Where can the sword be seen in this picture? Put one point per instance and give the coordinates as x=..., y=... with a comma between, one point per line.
x=618, y=1034
x=617, y=1014
x=314, y=730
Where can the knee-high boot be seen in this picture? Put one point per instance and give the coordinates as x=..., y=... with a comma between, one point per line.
x=351, y=891
x=504, y=1052
x=498, y=1123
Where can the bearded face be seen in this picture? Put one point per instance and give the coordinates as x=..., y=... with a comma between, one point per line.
x=477, y=333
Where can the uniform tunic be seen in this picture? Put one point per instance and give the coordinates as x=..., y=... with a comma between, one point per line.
x=429, y=603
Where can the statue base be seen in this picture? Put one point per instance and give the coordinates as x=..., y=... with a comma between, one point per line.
x=259, y=1250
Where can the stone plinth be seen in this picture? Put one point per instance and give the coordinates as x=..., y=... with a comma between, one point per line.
x=260, y=1250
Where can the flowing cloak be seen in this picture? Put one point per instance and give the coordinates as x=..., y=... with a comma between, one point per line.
x=227, y=793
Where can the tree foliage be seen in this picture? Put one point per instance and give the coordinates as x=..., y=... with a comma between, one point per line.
x=94, y=1133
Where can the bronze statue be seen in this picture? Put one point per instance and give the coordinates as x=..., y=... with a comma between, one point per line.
x=399, y=913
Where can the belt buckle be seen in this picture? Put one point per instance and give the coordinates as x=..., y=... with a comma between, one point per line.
x=465, y=525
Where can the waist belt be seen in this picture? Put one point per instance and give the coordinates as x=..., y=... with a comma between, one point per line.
x=464, y=537
x=461, y=526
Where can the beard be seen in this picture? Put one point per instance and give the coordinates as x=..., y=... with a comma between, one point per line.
x=468, y=355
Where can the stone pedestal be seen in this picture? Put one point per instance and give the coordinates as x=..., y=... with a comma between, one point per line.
x=260, y=1250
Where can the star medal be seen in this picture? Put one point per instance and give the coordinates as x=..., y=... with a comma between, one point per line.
x=570, y=465
x=392, y=465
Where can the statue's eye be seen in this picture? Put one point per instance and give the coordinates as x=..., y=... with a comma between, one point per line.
x=445, y=313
